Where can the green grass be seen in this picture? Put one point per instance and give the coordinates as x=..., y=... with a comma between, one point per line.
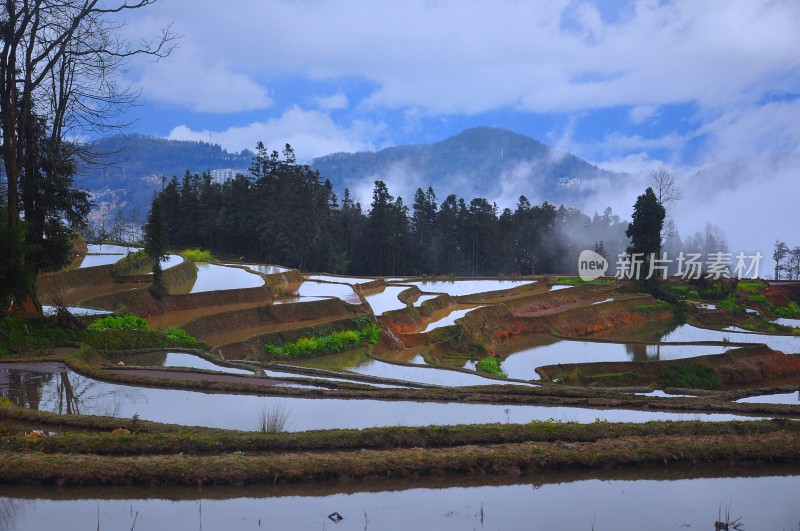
x=728, y=303
x=491, y=365
x=23, y=335
x=119, y=322
x=649, y=309
x=306, y=347
x=751, y=287
x=790, y=311
x=690, y=376
x=120, y=329
x=134, y=264
x=197, y=255
x=758, y=298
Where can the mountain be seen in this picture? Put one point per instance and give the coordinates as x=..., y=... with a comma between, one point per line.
x=128, y=169
x=493, y=163
x=487, y=162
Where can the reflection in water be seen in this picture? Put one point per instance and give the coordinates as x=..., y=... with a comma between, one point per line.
x=213, y=277
x=449, y=319
x=310, y=288
x=467, y=287
x=686, y=333
x=238, y=411
x=779, y=398
x=54, y=387
x=386, y=300
x=522, y=355
x=600, y=502
x=341, y=280
x=423, y=374
x=263, y=268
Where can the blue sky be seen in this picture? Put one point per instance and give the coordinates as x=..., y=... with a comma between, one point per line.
x=630, y=86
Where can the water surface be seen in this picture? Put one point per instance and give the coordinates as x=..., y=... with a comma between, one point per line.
x=343, y=280
x=467, y=287
x=602, y=502
x=264, y=268
x=213, y=277
x=53, y=387
x=386, y=300
x=450, y=318
x=310, y=288
x=522, y=355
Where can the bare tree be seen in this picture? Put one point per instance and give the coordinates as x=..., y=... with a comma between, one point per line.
x=666, y=189
x=60, y=76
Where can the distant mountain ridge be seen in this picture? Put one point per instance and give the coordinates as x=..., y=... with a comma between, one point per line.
x=479, y=162
x=473, y=163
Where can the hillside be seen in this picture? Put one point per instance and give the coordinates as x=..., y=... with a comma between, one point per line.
x=129, y=168
x=485, y=162
x=482, y=161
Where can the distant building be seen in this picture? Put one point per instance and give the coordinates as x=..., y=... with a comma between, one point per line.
x=225, y=174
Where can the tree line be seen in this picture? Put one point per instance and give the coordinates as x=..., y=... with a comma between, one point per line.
x=284, y=213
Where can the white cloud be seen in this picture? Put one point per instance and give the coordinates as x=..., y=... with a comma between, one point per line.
x=311, y=133
x=186, y=81
x=642, y=113
x=333, y=102
x=454, y=56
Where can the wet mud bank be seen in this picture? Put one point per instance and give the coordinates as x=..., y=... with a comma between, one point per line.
x=241, y=468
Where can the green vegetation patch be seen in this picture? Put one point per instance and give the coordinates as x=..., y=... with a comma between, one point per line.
x=757, y=298
x=197, y=255
x=690, y=376
x=114, y=332
x=119, y=322
x=790, y=311
x=649, y=309
x=751, y=287
x=306, y=347
x=137, y=263
x=23, y=335
x=491, y=365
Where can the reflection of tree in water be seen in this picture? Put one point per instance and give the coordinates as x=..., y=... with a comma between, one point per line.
x=24, y=388
x=641, y=352
x=62, y=391
x=10, y=511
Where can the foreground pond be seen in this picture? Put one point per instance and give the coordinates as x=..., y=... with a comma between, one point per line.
x=53, y=387
x=651, y=500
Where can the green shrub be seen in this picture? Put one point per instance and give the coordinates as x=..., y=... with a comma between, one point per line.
x=790, y=311
x=693, y=295
x=336, y=342
x=119, y=322
x=134, y=264
x=728, y=303
x=491, y=365
x=690, y=376
x=197, y=255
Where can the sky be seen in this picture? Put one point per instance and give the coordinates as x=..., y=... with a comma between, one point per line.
x=689, y=86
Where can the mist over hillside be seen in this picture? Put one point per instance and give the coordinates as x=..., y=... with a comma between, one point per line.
x=493, y=163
